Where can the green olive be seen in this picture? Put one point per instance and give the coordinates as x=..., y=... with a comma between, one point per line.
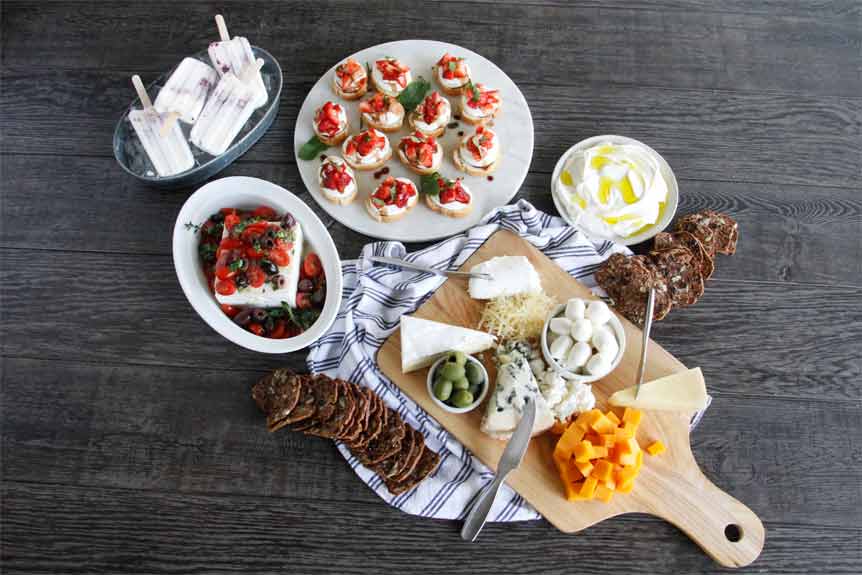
x=475, y=389
x=461, y=383
x=451, y=371
x=443, y=390
x=462, y=398
x=457, y=357
x=474, y=372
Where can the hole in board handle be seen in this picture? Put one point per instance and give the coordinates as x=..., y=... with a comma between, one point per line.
x=733, y=532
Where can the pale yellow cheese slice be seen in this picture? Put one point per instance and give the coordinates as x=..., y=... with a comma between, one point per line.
x=684, y=391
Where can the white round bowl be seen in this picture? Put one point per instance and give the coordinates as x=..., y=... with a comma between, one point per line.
x=245, y=192
x=669, y=208
x=429, y=384
x=617, y=327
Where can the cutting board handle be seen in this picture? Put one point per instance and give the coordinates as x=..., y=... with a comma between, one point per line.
x=727, y=530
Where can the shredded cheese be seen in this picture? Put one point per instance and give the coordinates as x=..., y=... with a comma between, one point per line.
x=519, y=316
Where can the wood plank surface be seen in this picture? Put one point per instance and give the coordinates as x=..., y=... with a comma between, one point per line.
x=128, y=443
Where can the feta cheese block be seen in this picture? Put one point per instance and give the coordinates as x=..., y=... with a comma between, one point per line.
x=510, y=275
x=516, y=384
x=268, y=295
x=684, y=391
x=423, y=341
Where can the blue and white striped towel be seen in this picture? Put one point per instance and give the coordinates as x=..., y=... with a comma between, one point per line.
x=374, y=300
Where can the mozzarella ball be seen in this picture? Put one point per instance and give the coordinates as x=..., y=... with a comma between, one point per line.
x=575, y=308
x=598, y=312
x=582, y=330
x=579, y=355
x=605, y=341
x=560, y=325
x=560, y=347
x=598, y=365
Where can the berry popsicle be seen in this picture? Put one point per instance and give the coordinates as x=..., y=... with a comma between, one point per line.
x=186, y=91
x=168, y=152
x=235, y=56
x=226, y=112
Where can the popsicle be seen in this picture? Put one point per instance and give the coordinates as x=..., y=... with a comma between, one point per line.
x=186, y=91
x=169, y=152
x=226, y=112
x=235, y=56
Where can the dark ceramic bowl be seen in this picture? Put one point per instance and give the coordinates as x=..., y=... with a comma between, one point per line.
x=133, y=159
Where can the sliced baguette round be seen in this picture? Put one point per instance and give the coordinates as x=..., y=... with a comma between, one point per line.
x=419, y=169
x=335, y=139
x=343, y=200
x=479, y=121
x=473, y=170
x=411, y=121
x=385, y=218
x=445, y=89
x=441, y=209
x=368, y=167
x=348, y=95
x=399, y=109
x=383, y=89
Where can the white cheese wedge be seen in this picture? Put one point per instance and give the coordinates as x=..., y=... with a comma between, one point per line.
x=267, y=295
x=511, y=275
x=516, y=385
x=423, y=341
x=684, y=391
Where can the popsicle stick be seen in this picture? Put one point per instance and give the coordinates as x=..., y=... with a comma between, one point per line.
x=170, y=119
x=142, y=92
x=222, y=28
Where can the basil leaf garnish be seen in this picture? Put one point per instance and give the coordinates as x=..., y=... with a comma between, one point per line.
x=312, y=148
x=413, y=94
x=430, y=185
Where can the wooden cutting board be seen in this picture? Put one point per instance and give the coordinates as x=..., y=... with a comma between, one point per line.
x=670, y=486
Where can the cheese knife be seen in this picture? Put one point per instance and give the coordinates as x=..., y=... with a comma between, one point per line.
x=512, y=456
x=650, y=305
x=420, y=268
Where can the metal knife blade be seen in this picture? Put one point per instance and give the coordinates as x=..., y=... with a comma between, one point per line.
x=650, y=306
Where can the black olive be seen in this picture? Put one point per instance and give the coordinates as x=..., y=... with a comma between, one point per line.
x=268, y=267
x=217, y=217
x=281, y=281
x=318, y=296
x=269, y=243
x=305, y=285
x=243, y=317
x=241, y=281
x=288, y=221
x=259, y=315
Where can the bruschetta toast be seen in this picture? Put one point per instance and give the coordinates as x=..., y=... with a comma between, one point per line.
x=350, y=81
x=421, y=154
x=390, y=76
x=330, y=123
x=478, y=154
x=431, y=116
x=337, y=181
x=392, y=199
x=452, y=74
x=382, y=112
x=367, y=150
x=480, y=104
x=453, y=199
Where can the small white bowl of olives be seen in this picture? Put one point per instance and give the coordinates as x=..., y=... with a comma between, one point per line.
x=457, y=382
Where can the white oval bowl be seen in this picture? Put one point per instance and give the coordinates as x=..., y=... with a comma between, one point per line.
x=666, y=171
x=619, y=333
x=245, y=192
x=429, y=384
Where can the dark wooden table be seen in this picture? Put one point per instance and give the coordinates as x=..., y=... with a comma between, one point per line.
x=129, y=442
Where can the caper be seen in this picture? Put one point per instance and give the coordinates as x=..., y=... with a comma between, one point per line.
x=461, y=383
x=443, y=390
x=451, y=371
x=474, y=372
x=462, y=398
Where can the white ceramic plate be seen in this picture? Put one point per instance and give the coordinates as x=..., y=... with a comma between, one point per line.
x=670, y=178
x=243, y=192
x=514, y=126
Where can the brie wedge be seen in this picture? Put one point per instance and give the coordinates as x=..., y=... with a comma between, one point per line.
x=516, y=385
x=423, y=341
x=510, y=275
x=684, y=391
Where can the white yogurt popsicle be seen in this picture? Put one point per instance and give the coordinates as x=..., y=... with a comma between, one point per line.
x=186, y=91
x=235, y=56
x=226, y=112
x=169, y=152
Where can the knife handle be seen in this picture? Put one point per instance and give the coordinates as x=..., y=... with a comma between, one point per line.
x=479, y=513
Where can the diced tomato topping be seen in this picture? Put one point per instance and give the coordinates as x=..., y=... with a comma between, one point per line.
x=256, y=276
x=253, y=231
x=229, y=310
x=366, y=142
x=327, y=119
x=230, y=220
x=303, y=300
x=351, y=76
x=479, y=97
x=253, y=253
x=431, y=107
x=256, y=329
x=228, y=244
x=452, y=67
x=480, y=143
x=452, y=191
x=279, y=256
x=393, y=71
x=278, y=330
x=265, y=213
x=394, y=192
x=335, y=176
x=377, y=104
x=419, y=149
x=225, y=286
x=311, y=266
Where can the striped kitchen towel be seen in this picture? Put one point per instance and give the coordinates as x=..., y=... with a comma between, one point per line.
x=374, y=300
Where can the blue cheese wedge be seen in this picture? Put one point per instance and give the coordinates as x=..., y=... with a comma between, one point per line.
x=516, y=385
x=423, y=341
x=272, y=294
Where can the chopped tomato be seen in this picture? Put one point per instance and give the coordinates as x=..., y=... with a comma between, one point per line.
x=253, y=253
x=419, y=149
x=328, y=119
x=303, y=300
x=351, y=76
x=255, y=276
x=227, y=211
x=335, y=176
x=366, y=142
x=478, y=96
x=256, y=329
x=452, y=67
x=377, y=104
x=393, y=71
x=225, y=286
x=279, y=256
x=431, y=108
x=278, y=330
x=312, y=267
x=265, y=213
x=230, y=220
x=229, y=310
x=452, y=191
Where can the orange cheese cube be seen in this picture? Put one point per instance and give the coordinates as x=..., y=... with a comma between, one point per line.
x=624, y=432
x=613, y=417
x=588, y=489
x=627, y=459
x=607, y=440
x=602, y=470
x=568, y=440
x=573, y=491
x=632, y=416
x=639, y=460
x=603, y=493
x=611, y=483
x=625, y=474
x=625, y=487
x=585, y=418
x=655, y=448
x=584, y=467
x=593, y=415
x=583, y=451
x=599, y=451
x=603, y=425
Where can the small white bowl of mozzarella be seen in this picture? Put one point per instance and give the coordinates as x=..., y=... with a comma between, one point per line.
x=583, y=340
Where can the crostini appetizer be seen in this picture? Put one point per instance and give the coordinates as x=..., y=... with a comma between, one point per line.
x=453, y=198
x=479, y=104
x=350, y=81
x=382, y=112
x=337, y=181
x=367, y=150
x=390, y=76
x=392, y=199
x=421, y=154
x=478, y=154
x=452, y=74
x=431, y=116
x=330, y=123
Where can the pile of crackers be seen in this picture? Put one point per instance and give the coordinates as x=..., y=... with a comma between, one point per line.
x=676, y=268
x=337, y=409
